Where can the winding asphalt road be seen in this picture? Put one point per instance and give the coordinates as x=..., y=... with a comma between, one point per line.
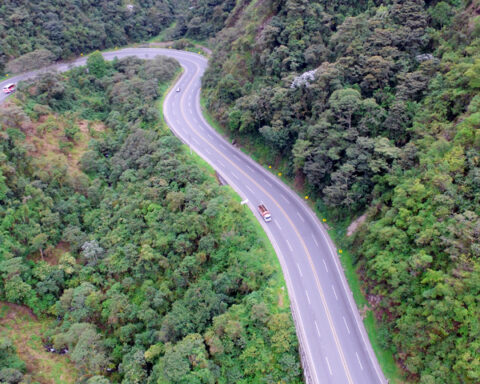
x=334, y=343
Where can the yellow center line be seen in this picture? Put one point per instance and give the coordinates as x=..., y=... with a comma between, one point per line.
x=312, y=266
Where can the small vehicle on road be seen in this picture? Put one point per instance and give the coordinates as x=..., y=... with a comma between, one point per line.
x=265, y=213
x=9, y=88
x=178, y=89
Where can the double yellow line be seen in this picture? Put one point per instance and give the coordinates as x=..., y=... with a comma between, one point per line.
x=312, y=266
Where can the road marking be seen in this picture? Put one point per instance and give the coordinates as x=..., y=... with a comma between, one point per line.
x=235, y=176
x=346, y=325
x=250, y=189
x=316, y=326
x=295, y=229
x=209, y=136
x=289, y=245
x=308, y=297
x=325, y=264
x=329, y=368
x=359, y=362
x=315, y=240
x=299, y=270
x=208, y=151
x=268, y=183
x=300, y=216
x=221, y=163
x=285, y=199
x=335, y=293
x=277, y=224
x=196, y=84
x=195, y=140
x=250, y=168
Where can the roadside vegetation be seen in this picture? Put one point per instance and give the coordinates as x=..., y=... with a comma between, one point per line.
x=147, y=270
x=372, y=108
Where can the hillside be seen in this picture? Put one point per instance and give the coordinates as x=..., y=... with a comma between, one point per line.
x=149, y=271
x=372, y=107
x=55, y=30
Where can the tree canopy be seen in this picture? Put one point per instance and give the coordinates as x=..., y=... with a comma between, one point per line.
x=152, y=271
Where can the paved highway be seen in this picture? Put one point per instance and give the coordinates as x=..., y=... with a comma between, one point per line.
x=334, y=342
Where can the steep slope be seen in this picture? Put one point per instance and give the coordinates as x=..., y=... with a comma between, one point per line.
x=375, y=105
x=151, y=270
x=69, y=28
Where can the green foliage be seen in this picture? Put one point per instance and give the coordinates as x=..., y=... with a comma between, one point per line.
x=11, y=367
x=166, y=279
x=387, y=122
x=96, y=64
x=63, y=29
x=366, y=85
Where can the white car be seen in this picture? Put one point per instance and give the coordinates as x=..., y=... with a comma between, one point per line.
x=9, y=88
x=178, y=89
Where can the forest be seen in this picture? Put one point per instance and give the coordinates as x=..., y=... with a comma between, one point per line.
x=36, y=33
x=50, y=30
x=374, y=108
x=150, y=271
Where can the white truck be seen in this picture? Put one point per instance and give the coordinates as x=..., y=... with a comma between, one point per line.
x=265, y=213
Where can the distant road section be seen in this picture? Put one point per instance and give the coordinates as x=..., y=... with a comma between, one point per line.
x=335, y=346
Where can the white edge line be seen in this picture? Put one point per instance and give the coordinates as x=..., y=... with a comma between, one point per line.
x=296, y=314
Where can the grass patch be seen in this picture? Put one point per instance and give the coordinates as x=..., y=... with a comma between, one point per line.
x=50, y=146
x=385, y=357
x=25, y=330
x=163, y=36
x=337, y=231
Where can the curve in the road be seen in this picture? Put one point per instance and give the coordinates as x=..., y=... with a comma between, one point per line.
x=330, y=330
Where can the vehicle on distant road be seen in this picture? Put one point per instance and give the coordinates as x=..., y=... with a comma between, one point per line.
x=9, y=88
x=178, y=89
x=265, y=213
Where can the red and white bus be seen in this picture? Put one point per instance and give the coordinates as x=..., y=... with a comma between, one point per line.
x=9, y=88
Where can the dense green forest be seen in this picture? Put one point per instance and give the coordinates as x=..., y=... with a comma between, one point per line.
x=375, y=106
x=61, y=29
x=152, y=271
x=36, y=33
